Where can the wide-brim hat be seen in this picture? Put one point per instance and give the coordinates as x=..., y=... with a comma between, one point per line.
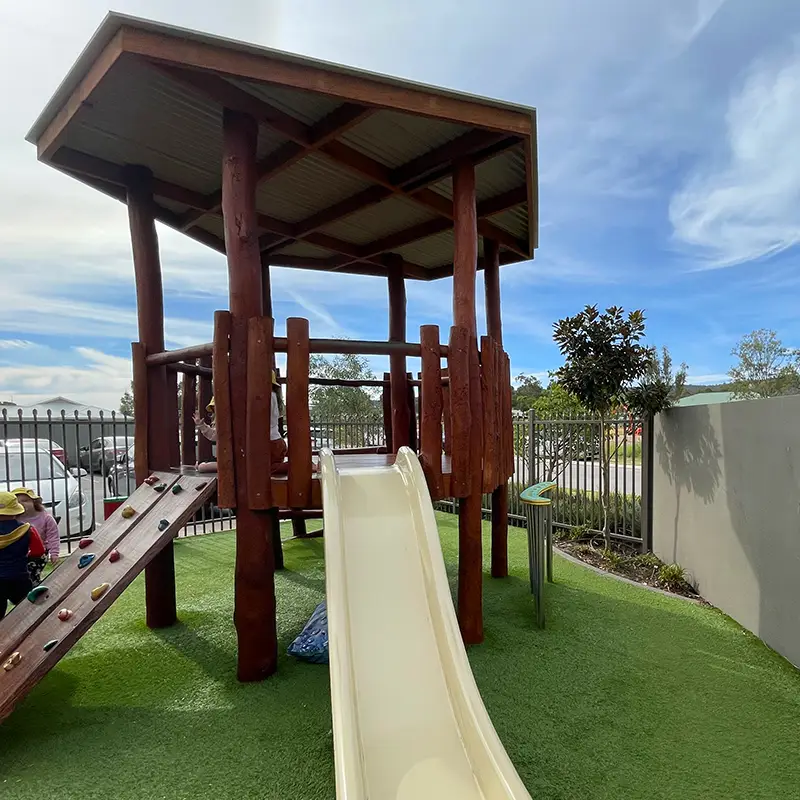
x=10, y=506
x=24, y=490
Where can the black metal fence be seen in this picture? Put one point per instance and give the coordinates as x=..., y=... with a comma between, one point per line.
x=76, y=462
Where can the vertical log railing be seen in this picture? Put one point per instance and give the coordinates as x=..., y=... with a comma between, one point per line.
x=173, y=419
x=397, y=362
x=460, y=411
x=226, y=469
x=298, y=417
x=188, y=408
x=141, y=459
x=386, y=405
x=431, y=410
x=259, y=401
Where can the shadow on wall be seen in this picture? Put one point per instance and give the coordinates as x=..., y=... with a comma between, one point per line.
x=689, y=454
x=762, y=488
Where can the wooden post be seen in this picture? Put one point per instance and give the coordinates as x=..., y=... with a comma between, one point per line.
x=431, y=412
x=205, y=393
x=141, y=462
x=154, y=427
x=254, y=604
x=260, y=331
x=460, y=411
x=386, y=404
x=226, y=467
x=188, y=407
x=173, y=414
x=412, y=414
x=298, y=416
x=491, y=428
x=397, y=363
x=447, y=422
x=494, y=327
x=465, y=264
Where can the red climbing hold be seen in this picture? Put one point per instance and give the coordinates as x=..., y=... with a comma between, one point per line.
x=84, y=543
x=152, y=480
x=64, y=614
x=113, y=556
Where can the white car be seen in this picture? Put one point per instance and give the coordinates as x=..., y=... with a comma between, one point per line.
x=41, y=444
x=61, y=493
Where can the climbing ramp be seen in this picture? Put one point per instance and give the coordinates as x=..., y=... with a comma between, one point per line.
x=42, y=629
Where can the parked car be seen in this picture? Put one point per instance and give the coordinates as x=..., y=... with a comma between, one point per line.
x=47, y=444
x=102, y=453
x=59, y=488
x=121, y=478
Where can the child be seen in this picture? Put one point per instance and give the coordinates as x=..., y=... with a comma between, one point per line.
x=15, y=541
x=278, y=448
x=41, y=519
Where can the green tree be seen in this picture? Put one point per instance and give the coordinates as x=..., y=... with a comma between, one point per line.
x=340, y=404
x=765, y=368
x=603, y=356
x=525, y=393
x=659, y=388
x=557, y=442
x=126, y=402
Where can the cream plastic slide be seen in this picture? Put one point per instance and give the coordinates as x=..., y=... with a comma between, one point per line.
x=408, y=721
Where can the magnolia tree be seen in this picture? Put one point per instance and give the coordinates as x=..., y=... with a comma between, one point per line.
x=603, y=356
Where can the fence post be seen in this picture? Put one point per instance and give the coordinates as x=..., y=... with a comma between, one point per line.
x=532, y=476
x=647, y=483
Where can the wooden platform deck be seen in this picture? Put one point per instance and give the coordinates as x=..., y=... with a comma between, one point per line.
x=348, y=461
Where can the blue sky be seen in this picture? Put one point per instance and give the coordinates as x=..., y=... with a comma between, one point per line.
x=669, y=178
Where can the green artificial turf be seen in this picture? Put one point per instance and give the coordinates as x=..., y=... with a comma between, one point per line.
x=626, y=694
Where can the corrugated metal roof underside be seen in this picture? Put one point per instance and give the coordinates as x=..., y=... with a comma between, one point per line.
x=138, y=114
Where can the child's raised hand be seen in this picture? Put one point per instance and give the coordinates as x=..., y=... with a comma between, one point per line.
x=197, y=418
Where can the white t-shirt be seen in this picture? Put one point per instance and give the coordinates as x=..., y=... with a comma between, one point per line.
x=274, y=432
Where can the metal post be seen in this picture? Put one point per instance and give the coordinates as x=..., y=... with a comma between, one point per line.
x=647, y=483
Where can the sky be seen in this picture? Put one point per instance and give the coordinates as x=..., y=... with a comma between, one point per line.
x=669, y=178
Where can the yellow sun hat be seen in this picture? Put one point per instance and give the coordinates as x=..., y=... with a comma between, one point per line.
x=210, y=406
x=24, y=490
x=9, y=505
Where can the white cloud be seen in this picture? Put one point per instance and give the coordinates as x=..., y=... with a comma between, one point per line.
x=15, y=344
x=703, y=380
x=98, y=379
x=746, y=204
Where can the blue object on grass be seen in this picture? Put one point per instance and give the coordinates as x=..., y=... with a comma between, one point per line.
x=312, y=643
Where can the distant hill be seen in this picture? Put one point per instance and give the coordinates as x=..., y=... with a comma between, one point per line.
x=690, y=389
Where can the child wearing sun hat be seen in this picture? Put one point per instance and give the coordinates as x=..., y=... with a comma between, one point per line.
x=40, y=518
x=15, y=541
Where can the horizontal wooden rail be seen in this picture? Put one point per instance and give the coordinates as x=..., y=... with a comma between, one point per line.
x=319, y=346
x=191, y=369
x=184, y=354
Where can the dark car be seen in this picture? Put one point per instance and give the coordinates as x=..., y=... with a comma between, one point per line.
x=121, y=477
x=103, y=453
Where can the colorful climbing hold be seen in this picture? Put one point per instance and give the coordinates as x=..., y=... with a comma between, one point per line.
x=152, y=480
x=64, y=614
x=12, y=661
x=128, y=512
x=100, y=590
x=161, y=487
x=50, y=645
x=114, y=556
x=37, y=591
x=163, y=525
x=85, y=542
x=85, y=560
x=177, y=489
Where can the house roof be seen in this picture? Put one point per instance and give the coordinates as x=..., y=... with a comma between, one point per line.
x=352, y=165
x=706, y=399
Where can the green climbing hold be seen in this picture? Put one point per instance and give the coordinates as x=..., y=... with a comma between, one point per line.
x=50, y=645
x=161, y=487
x=35, y=593
x=163, y=525
x=177, y=489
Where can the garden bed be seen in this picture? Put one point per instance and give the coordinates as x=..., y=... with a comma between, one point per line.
x=628, y=562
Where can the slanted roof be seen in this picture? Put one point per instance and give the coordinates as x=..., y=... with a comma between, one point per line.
x=706, y=399
x=352, y=165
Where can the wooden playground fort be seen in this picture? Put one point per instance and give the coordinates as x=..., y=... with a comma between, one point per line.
x=276, y=160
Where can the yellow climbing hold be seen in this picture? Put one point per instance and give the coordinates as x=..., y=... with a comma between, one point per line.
x=100, y=590
x=128, y=512
x=12, y=661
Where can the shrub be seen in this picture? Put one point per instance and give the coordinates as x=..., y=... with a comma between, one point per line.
x=672, y=577
x=613, y=558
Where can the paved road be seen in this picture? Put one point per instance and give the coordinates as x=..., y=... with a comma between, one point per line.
x=585, y=476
